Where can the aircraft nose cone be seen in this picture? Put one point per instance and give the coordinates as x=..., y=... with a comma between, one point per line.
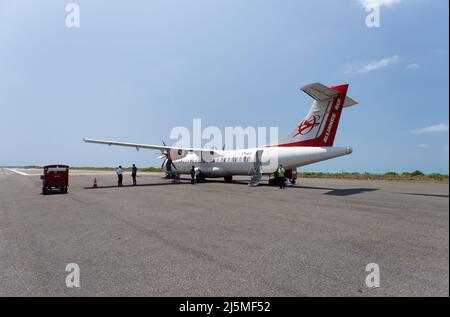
x=349, y=150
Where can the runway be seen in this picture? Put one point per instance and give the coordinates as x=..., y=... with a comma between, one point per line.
x=218, y=239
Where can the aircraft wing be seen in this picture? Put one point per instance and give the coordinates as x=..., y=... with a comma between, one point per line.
x=161, y=148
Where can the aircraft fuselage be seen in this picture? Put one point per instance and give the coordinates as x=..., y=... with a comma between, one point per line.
x=243, y=162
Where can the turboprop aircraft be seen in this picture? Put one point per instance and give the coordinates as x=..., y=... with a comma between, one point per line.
x=311, y=142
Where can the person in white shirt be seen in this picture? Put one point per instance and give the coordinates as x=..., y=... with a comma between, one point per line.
x=119, y=173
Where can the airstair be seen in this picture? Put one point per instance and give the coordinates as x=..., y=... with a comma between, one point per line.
x=257, y=170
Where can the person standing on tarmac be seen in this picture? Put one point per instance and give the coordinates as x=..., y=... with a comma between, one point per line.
x=282, y=176
x=134, y=174
x=193, y=175
x=119, y=173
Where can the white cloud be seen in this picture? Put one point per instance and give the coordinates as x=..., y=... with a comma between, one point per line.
x=374, y=65
x=378, y=3
x=433, y=129
x=413, y=66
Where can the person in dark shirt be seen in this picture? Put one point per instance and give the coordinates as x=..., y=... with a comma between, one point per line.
x=134, y=174
x=193, y=175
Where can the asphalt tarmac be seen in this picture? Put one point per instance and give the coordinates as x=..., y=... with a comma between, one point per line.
x=218, y=239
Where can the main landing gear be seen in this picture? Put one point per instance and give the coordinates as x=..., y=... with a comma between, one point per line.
x=200, y=177
x=276, y=181
x=228, y=179
x=291, y=175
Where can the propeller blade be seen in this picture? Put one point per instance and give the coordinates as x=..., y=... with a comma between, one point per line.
x=162, y=150
x=162, y=165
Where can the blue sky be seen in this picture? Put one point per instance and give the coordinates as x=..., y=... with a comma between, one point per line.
x=136, y=69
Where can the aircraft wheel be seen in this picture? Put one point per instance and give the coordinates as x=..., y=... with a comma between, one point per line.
x=201, y=178
x=228, y=179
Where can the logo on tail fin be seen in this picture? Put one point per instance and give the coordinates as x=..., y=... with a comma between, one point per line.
x=307, y=125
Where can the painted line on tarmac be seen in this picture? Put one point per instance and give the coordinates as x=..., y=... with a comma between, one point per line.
x=18, y=172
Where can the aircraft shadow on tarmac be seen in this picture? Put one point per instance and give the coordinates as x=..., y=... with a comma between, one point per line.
x=331, y=191
x=339, y=192
x=344, y=192
x=426, y=195
x=138, y=185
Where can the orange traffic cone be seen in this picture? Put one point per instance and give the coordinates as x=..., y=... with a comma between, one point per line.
x=95, y=183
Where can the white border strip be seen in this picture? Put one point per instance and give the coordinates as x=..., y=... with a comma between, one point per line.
x=16, y=171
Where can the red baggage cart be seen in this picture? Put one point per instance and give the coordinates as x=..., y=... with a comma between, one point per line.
x=55, y=176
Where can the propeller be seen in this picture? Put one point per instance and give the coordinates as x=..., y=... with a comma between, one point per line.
x=166, y=156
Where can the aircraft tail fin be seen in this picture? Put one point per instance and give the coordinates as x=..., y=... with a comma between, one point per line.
x=318, y=128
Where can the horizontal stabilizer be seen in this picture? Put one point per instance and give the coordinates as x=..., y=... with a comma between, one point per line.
x=319, y=92
x=349, y=102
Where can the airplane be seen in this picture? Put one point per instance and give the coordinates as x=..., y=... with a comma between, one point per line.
x=311, y=142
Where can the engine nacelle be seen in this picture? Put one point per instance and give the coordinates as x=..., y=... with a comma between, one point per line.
x=177, y=154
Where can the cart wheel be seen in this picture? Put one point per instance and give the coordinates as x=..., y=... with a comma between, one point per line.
x=65, y=190
x=293, y=182
x=44, y=191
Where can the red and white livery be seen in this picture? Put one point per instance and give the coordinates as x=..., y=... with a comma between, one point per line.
x=312, y=141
